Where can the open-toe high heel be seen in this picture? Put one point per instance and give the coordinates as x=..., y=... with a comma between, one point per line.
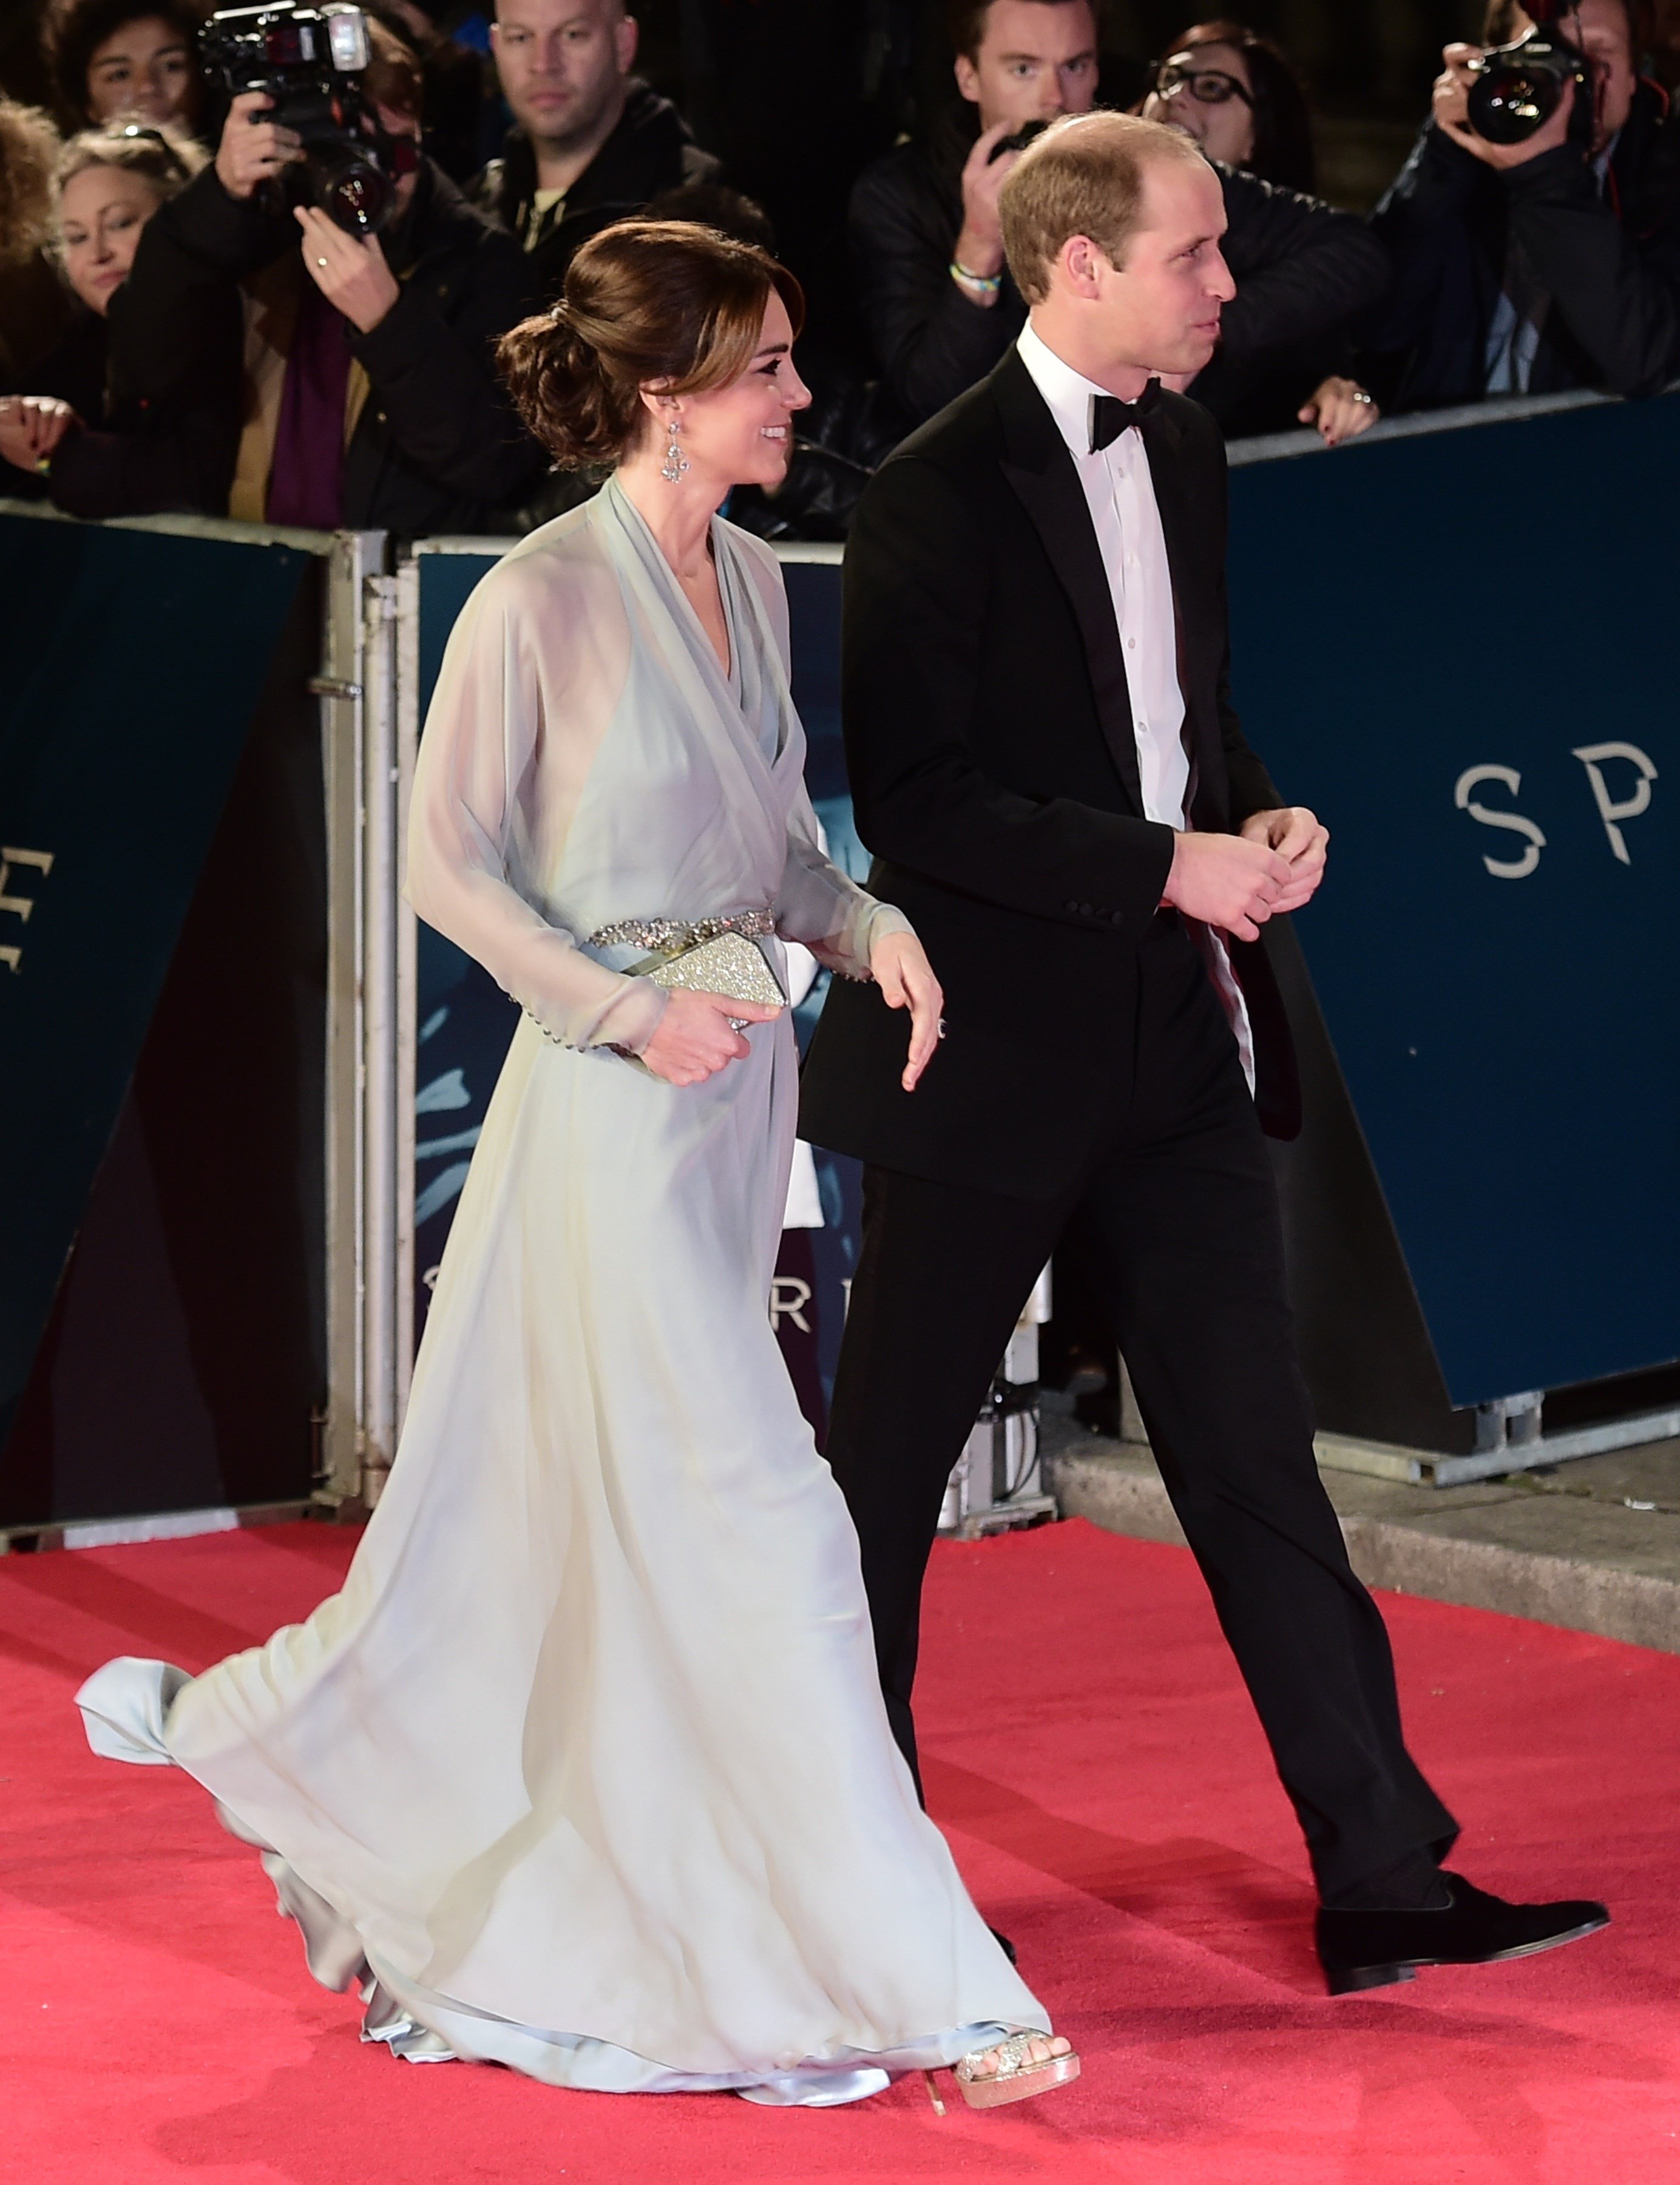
x=1016, y=2073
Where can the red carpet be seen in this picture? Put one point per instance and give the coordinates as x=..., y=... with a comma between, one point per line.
x=1112, y=1806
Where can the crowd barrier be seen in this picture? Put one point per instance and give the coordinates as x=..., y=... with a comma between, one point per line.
x=1451, y=639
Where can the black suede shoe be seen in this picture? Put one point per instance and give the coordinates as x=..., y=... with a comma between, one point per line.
x=1361, y=1949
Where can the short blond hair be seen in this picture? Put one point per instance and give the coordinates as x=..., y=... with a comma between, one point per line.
x=1085, y=176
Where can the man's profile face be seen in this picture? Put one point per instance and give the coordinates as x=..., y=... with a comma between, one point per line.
x=1600, y=28
x=1037, y=61
x=562, y=64
x=1161, y=309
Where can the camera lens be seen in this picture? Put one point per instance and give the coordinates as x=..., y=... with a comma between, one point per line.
x=1508, y=104
x=350, y=189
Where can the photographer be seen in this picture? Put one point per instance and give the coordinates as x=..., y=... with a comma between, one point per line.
x=371, y=401
x=928, y=253
x=75, y=430
x=1547, y=264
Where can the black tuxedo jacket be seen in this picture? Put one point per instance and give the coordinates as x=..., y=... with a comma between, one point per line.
x=994, y=772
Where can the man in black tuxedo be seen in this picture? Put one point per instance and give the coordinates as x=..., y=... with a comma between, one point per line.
x=1045, y=762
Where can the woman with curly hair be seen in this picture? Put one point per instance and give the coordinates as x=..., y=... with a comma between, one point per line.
x=33, y=305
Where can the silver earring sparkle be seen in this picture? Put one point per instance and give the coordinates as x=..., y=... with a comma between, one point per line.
x=676, y=462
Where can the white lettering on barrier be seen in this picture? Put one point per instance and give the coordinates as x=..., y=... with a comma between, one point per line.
x=788, y=1297
x=1592, y=758
x=1502, y=868
x=19, y=906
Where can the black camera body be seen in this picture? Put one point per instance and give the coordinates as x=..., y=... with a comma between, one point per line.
x=309, y=62
x=1519, y=87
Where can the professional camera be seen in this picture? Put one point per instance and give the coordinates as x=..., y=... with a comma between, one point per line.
x=310, y=63
x=1519, y=87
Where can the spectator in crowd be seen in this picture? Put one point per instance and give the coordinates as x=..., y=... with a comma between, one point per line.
x=1236, y=94
x=371, y=400
x=928, y=250
x=457, y=83
x=1554, y=263
x=34, y=305
x=591, y=144
x=134, y=58
x=100, y=450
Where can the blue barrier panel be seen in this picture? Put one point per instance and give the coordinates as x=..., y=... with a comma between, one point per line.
x=133, y=663
x=1458, y=648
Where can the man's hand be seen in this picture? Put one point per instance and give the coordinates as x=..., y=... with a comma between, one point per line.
x=31, y=426
x=349, y=271
x=1226, y=880
x=1296, y=836
x=694, y=1039
x=251, y=150
x=1340, y=409
x=1451, y=103
x=980, y=247
x=899, y=966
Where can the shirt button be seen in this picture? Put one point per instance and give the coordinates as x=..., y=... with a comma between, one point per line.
x=1131, y=643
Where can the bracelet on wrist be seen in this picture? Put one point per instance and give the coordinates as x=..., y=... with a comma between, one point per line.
x=991, y=283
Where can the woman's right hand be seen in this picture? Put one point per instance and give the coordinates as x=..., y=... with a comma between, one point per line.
x=31, y=426
x=252, y=149
x=694, y=1039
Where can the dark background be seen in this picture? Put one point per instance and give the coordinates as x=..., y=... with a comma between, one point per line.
x=769, y=80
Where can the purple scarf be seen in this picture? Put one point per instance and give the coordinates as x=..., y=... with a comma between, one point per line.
x=306, y=480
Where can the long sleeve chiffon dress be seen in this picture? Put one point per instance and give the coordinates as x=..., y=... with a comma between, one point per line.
x=586, y=1768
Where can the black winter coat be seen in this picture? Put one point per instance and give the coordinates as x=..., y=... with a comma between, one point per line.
x=649, y=152
x=127, y=456
x=1303, y=272
x=437, y=447
x=1608, y=257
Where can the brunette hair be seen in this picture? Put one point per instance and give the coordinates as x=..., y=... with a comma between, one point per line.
x=1084, y=175
x=644, y=300
x=1283, y=126
x=74, y=31
x=29, y=150
x=965, y=19
x=395, y=75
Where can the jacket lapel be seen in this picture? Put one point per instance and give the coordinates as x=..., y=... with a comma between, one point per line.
x=1040, y=470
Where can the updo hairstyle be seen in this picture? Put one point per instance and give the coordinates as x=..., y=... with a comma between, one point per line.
x=644, y=300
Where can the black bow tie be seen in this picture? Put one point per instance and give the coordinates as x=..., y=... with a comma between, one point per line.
x=1110, y=416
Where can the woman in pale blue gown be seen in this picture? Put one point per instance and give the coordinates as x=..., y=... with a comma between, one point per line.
x=586, y=1768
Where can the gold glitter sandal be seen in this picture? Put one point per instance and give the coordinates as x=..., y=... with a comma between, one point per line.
x=1018, y=2073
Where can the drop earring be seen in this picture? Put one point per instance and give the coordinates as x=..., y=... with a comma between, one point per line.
x=676, y=462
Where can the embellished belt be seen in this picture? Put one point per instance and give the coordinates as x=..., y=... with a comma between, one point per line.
x=670, y=937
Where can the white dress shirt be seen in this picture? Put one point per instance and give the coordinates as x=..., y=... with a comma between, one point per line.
x=1119, y=492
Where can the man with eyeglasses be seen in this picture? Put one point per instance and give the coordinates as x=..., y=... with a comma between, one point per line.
x=927, y=249
x=1554, y=263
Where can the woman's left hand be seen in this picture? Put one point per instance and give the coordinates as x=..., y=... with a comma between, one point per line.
x=899, y=966
x=350, y=272
x=31, y=426
x=1340, y=409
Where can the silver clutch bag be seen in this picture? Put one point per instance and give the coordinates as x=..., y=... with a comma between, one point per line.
x=727, y=964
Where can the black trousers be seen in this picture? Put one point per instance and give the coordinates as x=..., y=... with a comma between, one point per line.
x=1176, y=1218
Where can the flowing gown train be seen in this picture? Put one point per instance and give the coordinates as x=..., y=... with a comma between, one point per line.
x=586, y=1769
